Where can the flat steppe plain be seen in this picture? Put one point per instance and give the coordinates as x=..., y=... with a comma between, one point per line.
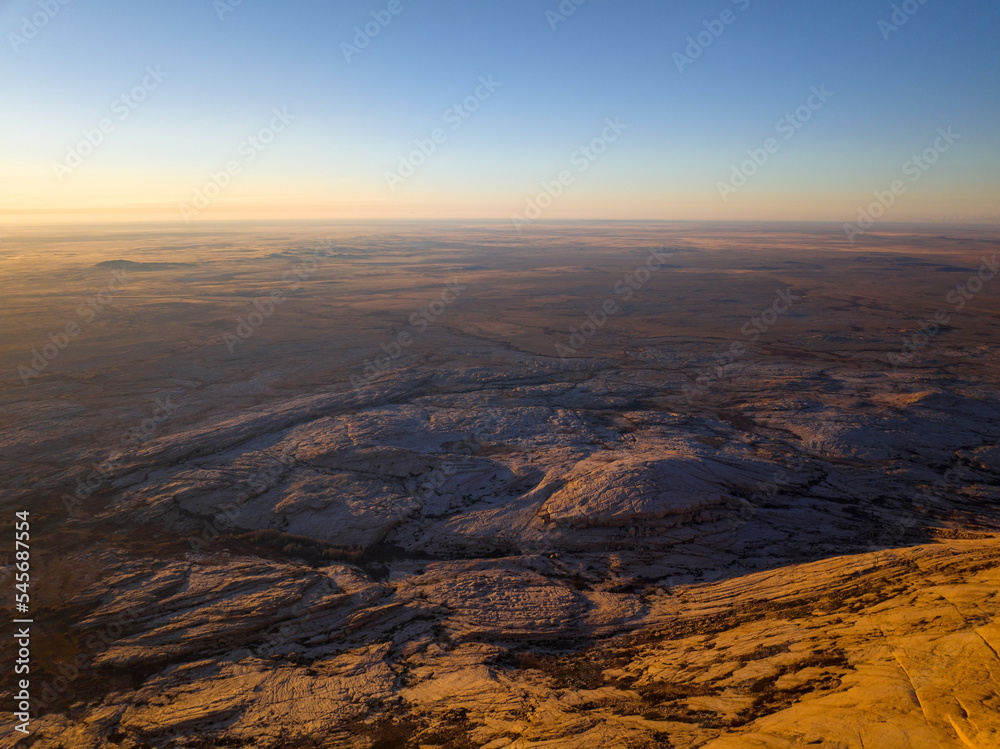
x=449, y=485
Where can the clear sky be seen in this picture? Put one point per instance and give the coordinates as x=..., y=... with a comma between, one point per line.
x=688, y=114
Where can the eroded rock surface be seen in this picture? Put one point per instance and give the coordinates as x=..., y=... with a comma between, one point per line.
x=479, y=543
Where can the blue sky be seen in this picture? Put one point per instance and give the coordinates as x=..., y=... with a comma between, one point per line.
x=355, y=120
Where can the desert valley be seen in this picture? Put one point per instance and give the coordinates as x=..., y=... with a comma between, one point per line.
x=589, y=484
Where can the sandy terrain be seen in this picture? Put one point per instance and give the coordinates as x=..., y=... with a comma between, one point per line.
x=445, y=485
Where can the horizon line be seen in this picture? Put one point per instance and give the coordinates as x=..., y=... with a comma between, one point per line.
x=977, y=223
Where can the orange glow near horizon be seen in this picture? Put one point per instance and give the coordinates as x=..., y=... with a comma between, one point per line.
x=31, y=198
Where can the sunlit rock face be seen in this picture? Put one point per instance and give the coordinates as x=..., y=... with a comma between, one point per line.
x=308, y=541
x=676, y=491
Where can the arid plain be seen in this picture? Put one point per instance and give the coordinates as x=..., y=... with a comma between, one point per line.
x=448, y=485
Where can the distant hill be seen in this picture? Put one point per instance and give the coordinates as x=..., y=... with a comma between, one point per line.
x=133, y=265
